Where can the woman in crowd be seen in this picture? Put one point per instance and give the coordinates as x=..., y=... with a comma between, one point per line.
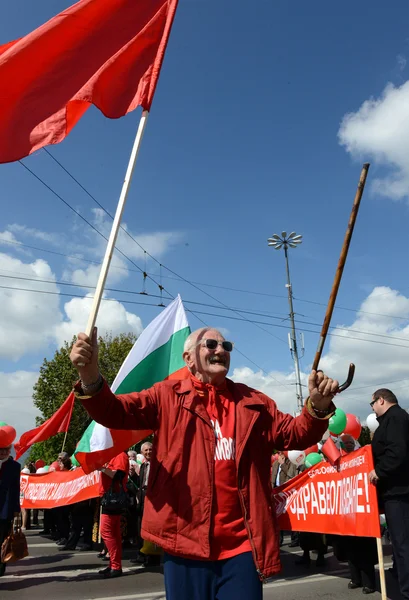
x=114, y=476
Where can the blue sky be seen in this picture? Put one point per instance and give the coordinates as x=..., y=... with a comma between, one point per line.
x=243, y=141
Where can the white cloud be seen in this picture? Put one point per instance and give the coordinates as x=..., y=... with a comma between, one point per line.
x=383, y=362
x=379, y=131
x=26, y=319
x=88, y=275
x=276, y=384
x=16, y=403
x=401, y=62
x=112, y=318
x=51, y=238
x=7, y=236
x=156, y=244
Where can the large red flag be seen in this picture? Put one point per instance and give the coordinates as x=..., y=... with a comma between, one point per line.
x=103, y=52
x=58, y=423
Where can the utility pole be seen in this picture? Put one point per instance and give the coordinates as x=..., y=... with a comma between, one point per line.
x=292, y=241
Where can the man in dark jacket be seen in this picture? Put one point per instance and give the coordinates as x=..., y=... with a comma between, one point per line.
x=9, y=495
x=282, y=471
x=390, y=445
x=208, y=502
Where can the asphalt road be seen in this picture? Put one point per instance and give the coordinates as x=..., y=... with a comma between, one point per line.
x=48, y=574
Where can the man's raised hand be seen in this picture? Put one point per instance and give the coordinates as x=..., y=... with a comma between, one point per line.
x=84, y=357
x=321, y=389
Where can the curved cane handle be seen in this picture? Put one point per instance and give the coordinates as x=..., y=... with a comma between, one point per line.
x=351, y=373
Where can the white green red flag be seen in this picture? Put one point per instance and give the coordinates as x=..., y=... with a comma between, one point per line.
x=155, y=356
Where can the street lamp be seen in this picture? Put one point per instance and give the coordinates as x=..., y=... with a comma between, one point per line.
x=285, y=241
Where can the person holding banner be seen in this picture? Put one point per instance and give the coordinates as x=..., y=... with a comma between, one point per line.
x=360, y=552
x=9, y=495
x=209, y=497
x=390, y=446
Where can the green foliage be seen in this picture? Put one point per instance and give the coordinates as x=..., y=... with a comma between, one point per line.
x=55, y=382
x=365, y=437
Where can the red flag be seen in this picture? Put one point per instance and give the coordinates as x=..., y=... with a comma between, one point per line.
x=103, y=52
x=330, y=451
x=58, y=423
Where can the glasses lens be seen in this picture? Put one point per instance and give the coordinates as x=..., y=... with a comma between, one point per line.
x=211, y=344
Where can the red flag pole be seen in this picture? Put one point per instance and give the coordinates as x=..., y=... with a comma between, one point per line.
x=116, y=224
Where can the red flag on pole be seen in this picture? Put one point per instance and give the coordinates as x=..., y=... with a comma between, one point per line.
x=330, y=451
x=108, y=53
x=58, y=423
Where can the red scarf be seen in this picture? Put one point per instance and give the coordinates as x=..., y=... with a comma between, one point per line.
x=218, y=396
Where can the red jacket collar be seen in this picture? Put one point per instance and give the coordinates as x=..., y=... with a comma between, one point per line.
x=241, y=393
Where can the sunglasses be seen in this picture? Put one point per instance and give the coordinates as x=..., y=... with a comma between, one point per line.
x=212, y=345
x=373, y=402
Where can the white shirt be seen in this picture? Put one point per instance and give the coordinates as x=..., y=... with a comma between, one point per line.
x=278, y=476
x=146, y=476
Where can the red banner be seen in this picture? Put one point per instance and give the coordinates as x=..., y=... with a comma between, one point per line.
x=58, y=488
x=325, y=499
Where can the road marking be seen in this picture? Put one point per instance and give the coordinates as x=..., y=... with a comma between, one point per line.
x=62, y=574
x=311, y=578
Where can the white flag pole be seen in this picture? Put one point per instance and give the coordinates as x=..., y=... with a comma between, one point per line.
x=116, y=224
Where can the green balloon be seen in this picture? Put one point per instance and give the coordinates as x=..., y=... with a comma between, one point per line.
x=3, y=423
x=338, y=422
x=74, y=461
x=313, y=459
x=46, y=468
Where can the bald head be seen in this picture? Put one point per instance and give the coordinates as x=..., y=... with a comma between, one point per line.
x=209, y=365
x=348, y=442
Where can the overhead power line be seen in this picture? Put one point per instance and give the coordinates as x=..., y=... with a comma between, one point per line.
x=221, y=287
x=197, y=312
x=241, y=310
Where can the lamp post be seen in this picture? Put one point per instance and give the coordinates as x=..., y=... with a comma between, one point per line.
x=290, y=241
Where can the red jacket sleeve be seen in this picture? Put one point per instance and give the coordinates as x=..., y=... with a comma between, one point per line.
x=295, y=433
x=135, y=411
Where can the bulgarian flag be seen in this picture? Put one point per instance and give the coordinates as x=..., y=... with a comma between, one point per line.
x=155, y=356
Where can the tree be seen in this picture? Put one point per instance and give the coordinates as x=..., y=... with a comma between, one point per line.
x=365, y=437
x=55, y=382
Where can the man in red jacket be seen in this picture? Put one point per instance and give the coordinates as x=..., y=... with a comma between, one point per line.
x=208, y=502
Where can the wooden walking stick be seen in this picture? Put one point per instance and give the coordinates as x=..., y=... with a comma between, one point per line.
x=338, y=277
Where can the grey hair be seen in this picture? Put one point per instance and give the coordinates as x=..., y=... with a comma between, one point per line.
x=190, y=341
x=145, y=444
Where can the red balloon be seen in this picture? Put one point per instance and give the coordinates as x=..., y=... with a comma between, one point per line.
x=353, y=426
x=313, y=448
x=55, y=466
x=39, y=463
x=7, y=436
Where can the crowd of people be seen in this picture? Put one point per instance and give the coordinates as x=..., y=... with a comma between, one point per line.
x=79, y=526
x=203, y=492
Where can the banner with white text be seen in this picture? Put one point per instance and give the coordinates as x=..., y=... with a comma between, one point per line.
x=58, y=488
x=326, y=499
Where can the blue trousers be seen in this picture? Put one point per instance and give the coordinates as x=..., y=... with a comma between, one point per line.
x=230, y=579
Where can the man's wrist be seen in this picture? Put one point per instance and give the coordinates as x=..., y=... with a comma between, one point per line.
x=319, y=411
x=93, y=387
